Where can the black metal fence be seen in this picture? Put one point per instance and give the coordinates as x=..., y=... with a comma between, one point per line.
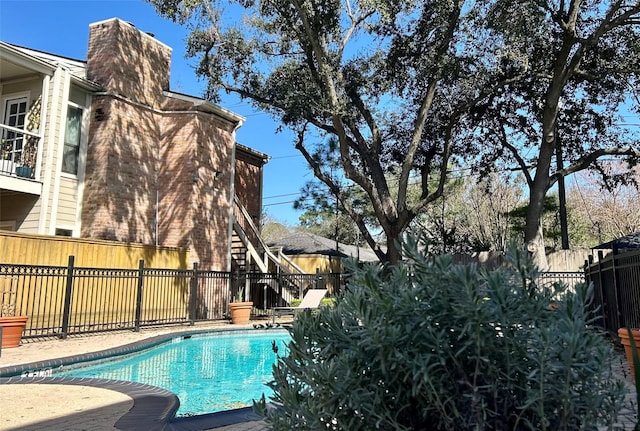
x=69, y=300
x=569, y=278
x=64, y=300
x=616, y=281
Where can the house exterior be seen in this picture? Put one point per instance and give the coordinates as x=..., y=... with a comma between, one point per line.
x=313, y=253
x=114, y=154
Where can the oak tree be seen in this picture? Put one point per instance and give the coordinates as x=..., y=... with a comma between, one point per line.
x=389, y=80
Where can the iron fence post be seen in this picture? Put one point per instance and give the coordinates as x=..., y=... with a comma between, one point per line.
x=139, y=295
x=67, y=298
x=622, y=321
x=193, y=294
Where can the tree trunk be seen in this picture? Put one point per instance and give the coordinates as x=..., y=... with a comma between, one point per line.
x=393, y=253
x=535, y=246
x=533, y=234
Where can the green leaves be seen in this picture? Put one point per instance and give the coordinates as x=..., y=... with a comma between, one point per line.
x=431, y=345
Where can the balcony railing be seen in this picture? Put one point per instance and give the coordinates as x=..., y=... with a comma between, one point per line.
x=18, y=152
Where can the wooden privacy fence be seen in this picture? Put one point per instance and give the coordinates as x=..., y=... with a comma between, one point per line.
x=21, y=248
x=63, y=300
x=616, y=281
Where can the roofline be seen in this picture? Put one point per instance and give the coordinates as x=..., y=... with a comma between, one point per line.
x=48, y=67
x=49, y=54
x=26, y=60
x=265, y=157
x=207, y=106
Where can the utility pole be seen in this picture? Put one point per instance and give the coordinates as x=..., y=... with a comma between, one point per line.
x=564, y=229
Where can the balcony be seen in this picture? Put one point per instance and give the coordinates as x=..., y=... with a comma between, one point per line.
x=19, y=150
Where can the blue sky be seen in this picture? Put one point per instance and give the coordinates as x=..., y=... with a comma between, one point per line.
x=61, y=27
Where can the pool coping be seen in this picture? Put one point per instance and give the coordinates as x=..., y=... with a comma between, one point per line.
x=154, y=408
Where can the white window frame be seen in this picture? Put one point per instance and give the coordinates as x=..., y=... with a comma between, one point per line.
x=83, y=137
x=26, y=95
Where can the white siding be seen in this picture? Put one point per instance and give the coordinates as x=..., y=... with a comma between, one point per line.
x=67, y=203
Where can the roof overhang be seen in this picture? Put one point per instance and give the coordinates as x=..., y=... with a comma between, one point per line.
x=262, y=157
x=19, y=63
x=206, y=106
x=15, y=64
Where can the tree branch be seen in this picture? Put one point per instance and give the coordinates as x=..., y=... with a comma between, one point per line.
x=425, y=106
x=587, y=160
x=516, y=155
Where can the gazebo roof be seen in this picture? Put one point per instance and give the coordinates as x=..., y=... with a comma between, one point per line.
x=308, y=243
x=627, y=241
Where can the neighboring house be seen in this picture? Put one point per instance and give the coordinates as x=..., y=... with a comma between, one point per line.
x=115, y=154
x=314, y=253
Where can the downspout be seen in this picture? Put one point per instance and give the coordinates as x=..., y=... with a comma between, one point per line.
x=230, y=215
x=232, y=193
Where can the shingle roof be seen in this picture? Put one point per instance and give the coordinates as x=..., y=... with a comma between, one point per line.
x=308, y=243
x=627, y=241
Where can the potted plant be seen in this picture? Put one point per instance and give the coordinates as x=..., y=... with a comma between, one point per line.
x=6, y=164
x=239, y=309
x=29, y=154
x=30, y=148
x=630, y=339
x=12, y=325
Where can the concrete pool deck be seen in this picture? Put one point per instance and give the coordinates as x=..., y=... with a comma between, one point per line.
x=46, y=403
x=43, y=403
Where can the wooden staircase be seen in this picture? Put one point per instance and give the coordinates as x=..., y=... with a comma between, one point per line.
x=250, y=254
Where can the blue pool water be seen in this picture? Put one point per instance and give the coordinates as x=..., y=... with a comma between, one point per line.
x=208, y=373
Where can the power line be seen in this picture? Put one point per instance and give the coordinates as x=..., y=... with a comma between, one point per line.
x=286, y=202
x=279, y=196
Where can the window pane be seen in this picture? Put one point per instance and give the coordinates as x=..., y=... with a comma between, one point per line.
x=70, y=159
x=15, y=114
x=72, y=140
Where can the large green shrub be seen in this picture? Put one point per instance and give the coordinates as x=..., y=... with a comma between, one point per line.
x=429, y=345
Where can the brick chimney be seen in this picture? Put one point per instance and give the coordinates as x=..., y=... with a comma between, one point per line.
x=128, y=62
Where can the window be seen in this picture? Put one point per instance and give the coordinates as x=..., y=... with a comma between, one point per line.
x=72, y=140
x=63, y=232
x=15, y=114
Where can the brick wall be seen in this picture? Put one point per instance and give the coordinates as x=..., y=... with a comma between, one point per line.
x=248, y=181
x=128, y=62
x=145, y=147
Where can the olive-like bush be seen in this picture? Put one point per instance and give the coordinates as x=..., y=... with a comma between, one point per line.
x=429, y=345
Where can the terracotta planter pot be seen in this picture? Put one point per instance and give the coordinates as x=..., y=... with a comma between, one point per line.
x=624, y=339
x=240, y=312
x=12, y=328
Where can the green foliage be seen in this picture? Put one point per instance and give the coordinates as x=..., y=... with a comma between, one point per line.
x=550, y=222
x=428, y=345
x=295, y=302
x=273, y=231
x=326, y=302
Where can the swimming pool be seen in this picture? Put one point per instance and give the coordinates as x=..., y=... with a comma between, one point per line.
x=208, y=372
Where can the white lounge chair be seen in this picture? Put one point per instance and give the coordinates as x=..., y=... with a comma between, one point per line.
x=311, y=299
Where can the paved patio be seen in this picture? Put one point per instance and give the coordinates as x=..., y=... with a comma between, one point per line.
x=46, y=403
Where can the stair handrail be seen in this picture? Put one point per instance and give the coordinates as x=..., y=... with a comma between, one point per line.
x=289, y=263
x=252, y=250
x=251, y=225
